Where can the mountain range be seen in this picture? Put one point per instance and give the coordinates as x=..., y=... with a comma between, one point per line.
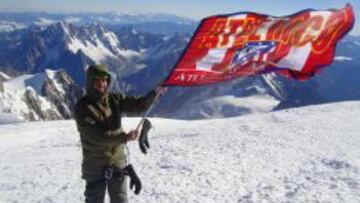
x=140, y=60
x=160, y=23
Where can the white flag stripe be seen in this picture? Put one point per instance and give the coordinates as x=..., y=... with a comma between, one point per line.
x=296, y=58
x=214, y=56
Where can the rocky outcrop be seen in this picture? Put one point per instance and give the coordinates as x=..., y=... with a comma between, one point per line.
x=39, y=108
x=60, y=89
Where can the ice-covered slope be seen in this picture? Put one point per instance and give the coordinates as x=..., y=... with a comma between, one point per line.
x=308, y=154
x=50, y=95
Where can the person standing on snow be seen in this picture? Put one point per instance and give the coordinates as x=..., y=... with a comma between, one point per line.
x=98, y=119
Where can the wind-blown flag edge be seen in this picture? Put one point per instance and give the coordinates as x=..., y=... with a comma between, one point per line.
x=194, y=77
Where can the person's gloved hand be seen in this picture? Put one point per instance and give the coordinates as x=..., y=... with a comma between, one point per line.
x=134, y=179
x=132, y=135
x=143, y=139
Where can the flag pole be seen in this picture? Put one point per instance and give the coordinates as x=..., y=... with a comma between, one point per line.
x=158, y=94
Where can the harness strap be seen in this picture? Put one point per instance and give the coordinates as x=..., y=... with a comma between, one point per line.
x=110, y=172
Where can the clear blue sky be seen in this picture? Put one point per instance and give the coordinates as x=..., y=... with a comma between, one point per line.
x=195, y=9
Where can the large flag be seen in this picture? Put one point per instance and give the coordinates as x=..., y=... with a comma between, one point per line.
x=225, y=47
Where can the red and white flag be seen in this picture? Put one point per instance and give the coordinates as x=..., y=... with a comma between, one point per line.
x=225, y=47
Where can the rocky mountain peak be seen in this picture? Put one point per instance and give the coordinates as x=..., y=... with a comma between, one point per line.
x=61, y=28
x=60, y=89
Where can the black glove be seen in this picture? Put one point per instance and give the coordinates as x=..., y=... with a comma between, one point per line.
x=143, y=139
x=134, y=179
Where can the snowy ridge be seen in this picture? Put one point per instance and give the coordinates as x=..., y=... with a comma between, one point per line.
x=52, y=76
x=12, y=97
x=308, y=154
x=15, y=91
x=92, y=42
x=95, y=51
x=43, y=96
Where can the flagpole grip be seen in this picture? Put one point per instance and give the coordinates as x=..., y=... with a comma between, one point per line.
x=158, y=94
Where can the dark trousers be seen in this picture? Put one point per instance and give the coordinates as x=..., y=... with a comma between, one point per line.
x=116, y=187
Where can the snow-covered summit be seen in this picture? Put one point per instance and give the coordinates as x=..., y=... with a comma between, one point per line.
x=307, y=154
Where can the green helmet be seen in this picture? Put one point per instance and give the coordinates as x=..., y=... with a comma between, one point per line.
x=95, y=72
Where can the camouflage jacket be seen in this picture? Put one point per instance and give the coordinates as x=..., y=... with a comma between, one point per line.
x=99, y=124
x=98, y=119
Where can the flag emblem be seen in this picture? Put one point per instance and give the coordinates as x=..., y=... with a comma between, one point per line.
x=255, y=51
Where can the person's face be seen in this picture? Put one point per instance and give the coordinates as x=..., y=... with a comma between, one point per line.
x=101, y=85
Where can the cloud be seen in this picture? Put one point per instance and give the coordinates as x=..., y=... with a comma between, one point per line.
x=72, y=20
x=44, y=21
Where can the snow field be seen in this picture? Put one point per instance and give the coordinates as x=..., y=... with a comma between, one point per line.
x=308, y=154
